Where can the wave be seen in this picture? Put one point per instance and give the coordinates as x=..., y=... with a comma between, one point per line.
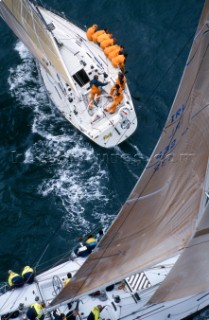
x=75, y=173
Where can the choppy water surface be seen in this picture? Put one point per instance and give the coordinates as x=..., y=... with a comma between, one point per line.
x=51, y=175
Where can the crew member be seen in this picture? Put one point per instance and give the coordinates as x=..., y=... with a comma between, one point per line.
x=121, y=80
x=69, y=277
x=57, y=316
x=100, y=235
x=115, y=53
x=71, y=315
x=107, y=50
x=95, y=313
x=36, y=311
x=91, y=243
x=91, y=31
x=103, y=37
x=107, y=43
x=97, y=34
x=95, y=84
x=81, y=250
x=119, y=61
x=117, y=95
x=14, y=279
x=28, y=275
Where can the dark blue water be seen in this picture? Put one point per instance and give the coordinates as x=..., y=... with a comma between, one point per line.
x=55, y=184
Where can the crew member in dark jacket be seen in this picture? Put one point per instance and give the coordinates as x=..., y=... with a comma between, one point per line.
x=28, y=275
x=14, y=280
x=95, y=84
x=95, y=313
x=36, y=311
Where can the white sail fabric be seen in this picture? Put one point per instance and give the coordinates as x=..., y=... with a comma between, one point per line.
x=27, y=24
x=190, y=269
x=159, y=217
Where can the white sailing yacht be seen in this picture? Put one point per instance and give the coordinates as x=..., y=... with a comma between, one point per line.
x=153, y=261
x=68, y=61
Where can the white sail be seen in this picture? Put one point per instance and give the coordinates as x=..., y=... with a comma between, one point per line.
x=68, y=62
x=190, y=274
x=27, y=24
x=166, y=214
x=159, y=217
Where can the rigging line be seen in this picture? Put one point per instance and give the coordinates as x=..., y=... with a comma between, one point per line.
x=8, y=300
x=162, y=41
x=161, y=44
x=95, y=58
x=68, y=252
x=47, y=244
x=167, y=184
x=62, y=15
x=196, y=244
x=106, y=244
x=52, y=259
x=147, y=100
x=106, y=116
x=189, y=118
x=197, y=74
x=167, y=70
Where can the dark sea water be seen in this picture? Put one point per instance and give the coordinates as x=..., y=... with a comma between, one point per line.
x=55, y=184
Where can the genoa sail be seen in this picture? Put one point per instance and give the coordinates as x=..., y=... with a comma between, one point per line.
x=191, y=269
x=158, y=219
x=27, y=24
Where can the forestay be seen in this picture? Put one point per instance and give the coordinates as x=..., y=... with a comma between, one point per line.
x=161, y=214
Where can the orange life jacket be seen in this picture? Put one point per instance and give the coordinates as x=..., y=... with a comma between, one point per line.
x=97, y=34
x=118, y=61
x=91, y=31
x=114, y=54
x=117, y=98
x=106, y=43
x=107, y=50
x=103, y=37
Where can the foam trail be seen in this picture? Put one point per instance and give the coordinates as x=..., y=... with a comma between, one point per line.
x=77, y=176
x=138, y=152
x=131, y=159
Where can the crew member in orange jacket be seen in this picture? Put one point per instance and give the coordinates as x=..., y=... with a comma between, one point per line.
x=95, y=84
x=97, y=34
x=107, y=43
x=116, y=93
x=121, y=80
x=91, y=31
x=119, y=61
x=109, y=49
x=114, y=54
x=103, y=37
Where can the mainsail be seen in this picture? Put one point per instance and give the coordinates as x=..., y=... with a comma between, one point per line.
x=29, y=27
x=161, y=214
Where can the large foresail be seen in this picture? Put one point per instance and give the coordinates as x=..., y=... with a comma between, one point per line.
x=191, y=269
x=27, y=24
x=159, y=216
